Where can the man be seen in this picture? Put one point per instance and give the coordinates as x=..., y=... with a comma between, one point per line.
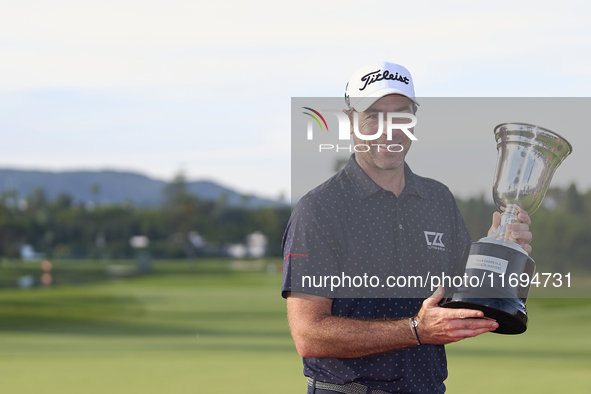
x=375, y=213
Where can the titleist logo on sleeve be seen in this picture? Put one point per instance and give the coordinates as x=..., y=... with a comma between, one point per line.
x=376, y=76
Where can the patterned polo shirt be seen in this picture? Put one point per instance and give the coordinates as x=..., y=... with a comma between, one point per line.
x=348, y=226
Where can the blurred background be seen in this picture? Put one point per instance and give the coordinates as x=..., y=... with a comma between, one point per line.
x=145, y=182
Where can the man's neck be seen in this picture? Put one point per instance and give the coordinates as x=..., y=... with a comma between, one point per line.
x=391, y=180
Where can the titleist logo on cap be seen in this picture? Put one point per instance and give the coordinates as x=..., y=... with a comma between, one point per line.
x=376, y=76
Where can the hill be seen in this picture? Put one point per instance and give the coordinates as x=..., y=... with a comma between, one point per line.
x=114, y=187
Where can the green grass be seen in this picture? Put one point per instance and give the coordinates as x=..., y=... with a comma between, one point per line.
x=552, y=356
x=207, y=329
x=181, y=333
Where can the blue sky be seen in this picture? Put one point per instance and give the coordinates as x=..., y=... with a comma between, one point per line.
x=205, y=87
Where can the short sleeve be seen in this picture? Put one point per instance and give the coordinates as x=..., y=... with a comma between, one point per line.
x=310, y=250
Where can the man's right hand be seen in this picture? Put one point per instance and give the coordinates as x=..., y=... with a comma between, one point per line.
x=441, y=326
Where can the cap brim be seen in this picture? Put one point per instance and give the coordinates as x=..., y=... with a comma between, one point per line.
x=363, y=103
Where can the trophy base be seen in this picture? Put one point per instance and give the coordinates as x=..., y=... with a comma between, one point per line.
x=511, y=316
x=496, y=266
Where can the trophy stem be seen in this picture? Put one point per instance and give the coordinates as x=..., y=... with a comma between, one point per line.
x=507, y=217
x=500, y=236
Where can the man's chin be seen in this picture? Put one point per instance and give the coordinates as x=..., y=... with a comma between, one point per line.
x=382, y=160
x=391, y=164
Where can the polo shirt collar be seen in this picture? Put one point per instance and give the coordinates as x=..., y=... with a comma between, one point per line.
x=366, y=187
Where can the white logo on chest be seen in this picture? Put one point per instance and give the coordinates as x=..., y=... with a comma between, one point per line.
x=434, y=240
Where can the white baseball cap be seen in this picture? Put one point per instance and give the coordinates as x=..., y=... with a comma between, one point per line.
x=376, y=80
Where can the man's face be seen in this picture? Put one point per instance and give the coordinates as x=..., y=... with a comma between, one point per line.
x=379, y=157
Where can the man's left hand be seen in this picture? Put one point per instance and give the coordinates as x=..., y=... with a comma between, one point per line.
x=516, y=232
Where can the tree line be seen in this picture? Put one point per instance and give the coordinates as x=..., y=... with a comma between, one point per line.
x=63, y=228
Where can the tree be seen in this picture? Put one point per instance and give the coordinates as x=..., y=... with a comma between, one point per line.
x=181, y=213
x=95, y=190
x=62, y=201
x=574, y=201
x=37, y=199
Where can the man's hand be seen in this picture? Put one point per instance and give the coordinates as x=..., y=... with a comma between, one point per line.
x=516, y=232
x=318, y=333
x=440, y=326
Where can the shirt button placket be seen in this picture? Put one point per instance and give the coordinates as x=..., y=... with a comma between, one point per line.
x=395, y=215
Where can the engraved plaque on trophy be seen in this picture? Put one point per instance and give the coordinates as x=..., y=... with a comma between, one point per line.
x=528, y=155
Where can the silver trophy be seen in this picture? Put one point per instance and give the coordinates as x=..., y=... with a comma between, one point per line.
x=528, y=157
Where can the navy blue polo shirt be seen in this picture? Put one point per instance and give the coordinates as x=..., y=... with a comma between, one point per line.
x=351, y=225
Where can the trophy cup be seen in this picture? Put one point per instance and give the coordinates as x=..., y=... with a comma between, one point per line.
x=528, y=155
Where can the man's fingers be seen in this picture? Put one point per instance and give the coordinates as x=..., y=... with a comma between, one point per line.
x=519, y=232
x=496, y=222
x=472, y=333
x=523, y=217
x=527, y=248
x=524, y=236
x=518, y=227
x=476, y=324
x=466, y=313
x=439, y=293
